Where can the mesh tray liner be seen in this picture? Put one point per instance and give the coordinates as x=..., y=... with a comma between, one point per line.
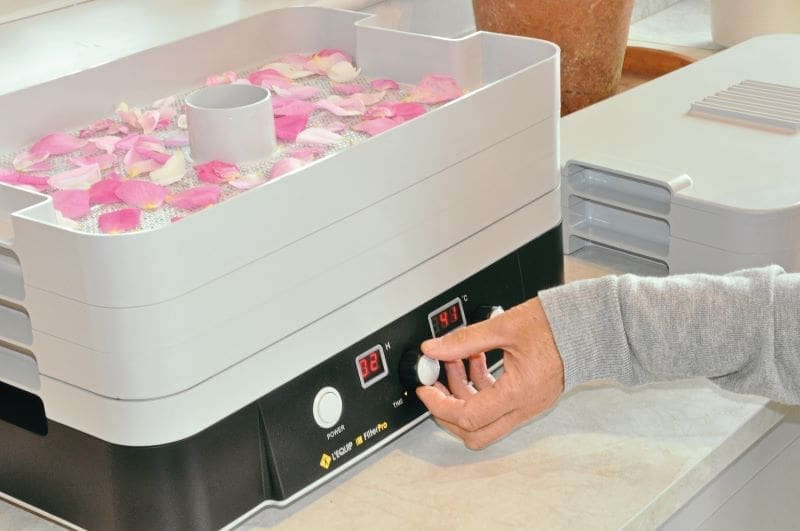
x=165, y=214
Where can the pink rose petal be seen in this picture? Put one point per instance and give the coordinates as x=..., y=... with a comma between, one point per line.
x=80, y=178
x=172, y=171
x=166, y=111
x=342, y=106
x=343, y=72
x=376, y=126
x=141, y=194
x=248, y=181
x=306, y=153
x=369, y=99
x=403, y=110
x=318, y=135
x=152, y=151
x=57, y=144
x=334, y=54
x=104, y=192
x=89, y=149
x=100, y=125
x=435, y=89
x=129, y=115
x=37, y=182
x=299, y=92
x=347, y=89
x=131, y=140
x=149, y=120
x=292, y=107
x=23, y=180
x=217, y=172
x=336, y=127
x=287, y=127
x=195, y=198
x=379, y=111
x=28, y=161
x=322, y=61
x=284, y=166
x=384, y=84
x=225, y=77
x=105, y=161
x=288, y=70
x=146, y=154
x=269, y=78
x=72, y=204
x=407, y=111
x=137, y=164
x=124, y=220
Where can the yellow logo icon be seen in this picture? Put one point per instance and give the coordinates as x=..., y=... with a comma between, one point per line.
x=325, y=461
x=359, y=440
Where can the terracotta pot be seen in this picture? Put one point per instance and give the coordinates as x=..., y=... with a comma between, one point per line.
x=592, y=34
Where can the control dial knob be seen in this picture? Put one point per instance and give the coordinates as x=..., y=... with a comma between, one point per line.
x=418, y=369
x=485, y=312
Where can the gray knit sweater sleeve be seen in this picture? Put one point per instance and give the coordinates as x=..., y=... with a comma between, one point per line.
x=742, y=330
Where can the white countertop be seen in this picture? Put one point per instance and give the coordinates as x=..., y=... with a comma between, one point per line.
x=604, y=458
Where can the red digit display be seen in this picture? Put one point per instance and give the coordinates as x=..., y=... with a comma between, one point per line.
x=447, y=318
x=371, y=366
x=364, y=367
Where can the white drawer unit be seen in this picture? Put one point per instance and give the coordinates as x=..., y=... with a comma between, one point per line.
x=696, y=171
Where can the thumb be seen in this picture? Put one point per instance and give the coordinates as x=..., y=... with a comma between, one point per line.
x=465, y=342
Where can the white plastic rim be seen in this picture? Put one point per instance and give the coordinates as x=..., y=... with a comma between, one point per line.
x=734, y=21
x=232, y=123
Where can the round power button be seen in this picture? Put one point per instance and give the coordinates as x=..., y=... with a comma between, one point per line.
x=327, y=407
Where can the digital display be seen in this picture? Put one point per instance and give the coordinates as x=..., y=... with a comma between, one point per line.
x=447, y=318
x=371, y=366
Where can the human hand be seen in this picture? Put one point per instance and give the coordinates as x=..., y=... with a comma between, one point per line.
x=489, y=409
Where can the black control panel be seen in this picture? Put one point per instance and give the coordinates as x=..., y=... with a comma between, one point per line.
x=333, y=413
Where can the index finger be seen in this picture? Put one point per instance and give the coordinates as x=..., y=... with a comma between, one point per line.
x=466, y=342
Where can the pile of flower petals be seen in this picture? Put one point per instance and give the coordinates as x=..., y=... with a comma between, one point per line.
x=134, y=162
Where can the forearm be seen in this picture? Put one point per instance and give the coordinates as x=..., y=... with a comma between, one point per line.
x=741, y=330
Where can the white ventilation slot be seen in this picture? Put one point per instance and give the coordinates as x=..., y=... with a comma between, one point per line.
x=620, y=191
x=12, y=287
x=19, y=368
x=755, y=103
x=619, y=228
x=15, y=326
x=614, y=260
x=613, y=217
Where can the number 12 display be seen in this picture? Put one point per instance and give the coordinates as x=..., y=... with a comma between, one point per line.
x=371, y=366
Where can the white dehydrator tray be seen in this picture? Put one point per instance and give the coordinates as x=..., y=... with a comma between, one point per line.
x=123, y=335
x=666, y=189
